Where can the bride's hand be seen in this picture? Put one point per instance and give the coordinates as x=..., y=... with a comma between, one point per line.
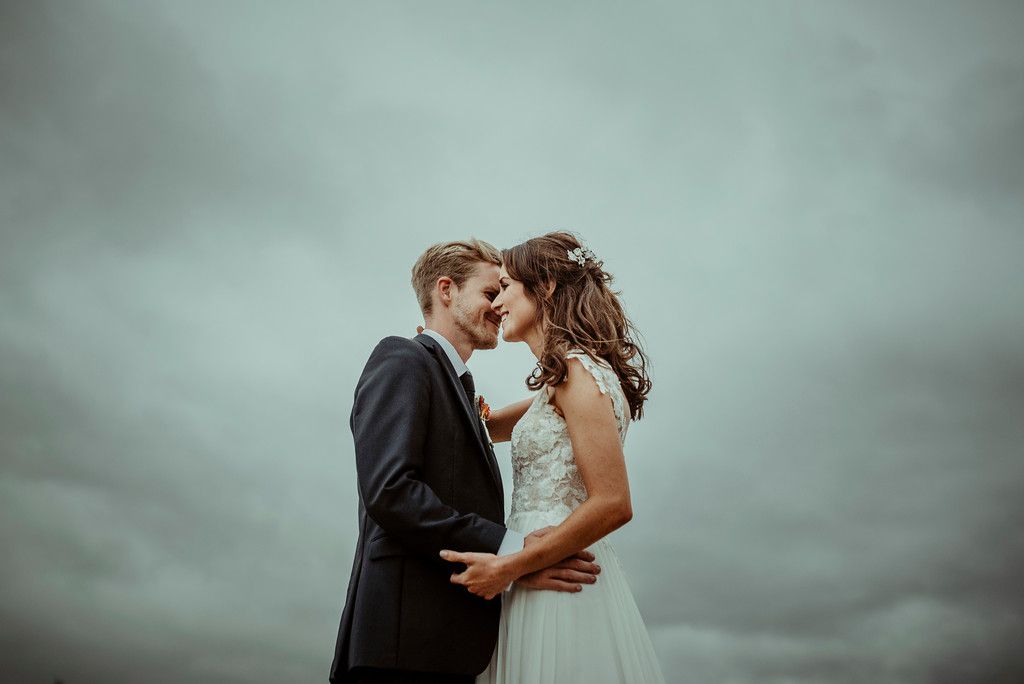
x=485, y=575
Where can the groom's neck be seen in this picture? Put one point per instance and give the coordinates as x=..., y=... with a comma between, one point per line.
x=450, y=332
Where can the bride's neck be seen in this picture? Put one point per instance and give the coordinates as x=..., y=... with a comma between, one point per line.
x=535, y=340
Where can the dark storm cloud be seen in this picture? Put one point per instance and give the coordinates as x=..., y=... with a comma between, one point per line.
x=208, y=216
x=984, y=127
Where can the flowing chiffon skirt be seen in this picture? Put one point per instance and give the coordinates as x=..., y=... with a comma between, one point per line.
x=594, y=636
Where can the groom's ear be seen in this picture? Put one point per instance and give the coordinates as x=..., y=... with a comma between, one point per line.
x=443, y=288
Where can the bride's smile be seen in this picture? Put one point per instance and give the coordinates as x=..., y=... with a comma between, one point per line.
x=517, y=310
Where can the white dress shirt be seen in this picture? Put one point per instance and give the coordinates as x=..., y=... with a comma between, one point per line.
x=512, y=541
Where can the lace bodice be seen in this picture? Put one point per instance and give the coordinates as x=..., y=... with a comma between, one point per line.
x=546, y=482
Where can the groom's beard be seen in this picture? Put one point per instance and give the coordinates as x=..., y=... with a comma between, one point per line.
x=479, y=335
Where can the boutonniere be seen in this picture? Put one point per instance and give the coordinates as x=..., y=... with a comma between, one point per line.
x=482, y=408
x=484, y=411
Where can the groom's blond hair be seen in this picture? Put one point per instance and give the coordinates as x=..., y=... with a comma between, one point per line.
x=456, y=260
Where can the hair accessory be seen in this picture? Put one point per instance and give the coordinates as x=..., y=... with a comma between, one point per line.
x=580, y=255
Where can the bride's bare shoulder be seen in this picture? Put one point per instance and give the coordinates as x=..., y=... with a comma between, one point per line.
x=582, y=387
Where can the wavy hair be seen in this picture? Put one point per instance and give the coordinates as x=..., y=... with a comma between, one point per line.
x=457, y=260
x=580, y=312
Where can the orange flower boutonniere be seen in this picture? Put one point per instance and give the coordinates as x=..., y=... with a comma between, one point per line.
x=483, y=408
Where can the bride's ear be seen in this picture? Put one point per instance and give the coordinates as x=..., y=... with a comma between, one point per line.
x=550, y=287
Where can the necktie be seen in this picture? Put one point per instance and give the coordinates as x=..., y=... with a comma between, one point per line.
x=467, y=384
x=470, y=389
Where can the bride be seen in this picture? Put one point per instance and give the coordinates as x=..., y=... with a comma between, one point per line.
x=569, y=472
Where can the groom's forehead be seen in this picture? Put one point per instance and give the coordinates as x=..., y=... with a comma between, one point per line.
x=485, y=274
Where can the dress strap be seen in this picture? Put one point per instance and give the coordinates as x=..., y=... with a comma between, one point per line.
x=599, y=371
x=608, y=382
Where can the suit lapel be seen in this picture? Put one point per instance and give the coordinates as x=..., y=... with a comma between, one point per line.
x=468, y=411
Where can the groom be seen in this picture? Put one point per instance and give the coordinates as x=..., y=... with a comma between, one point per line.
x=428, y=480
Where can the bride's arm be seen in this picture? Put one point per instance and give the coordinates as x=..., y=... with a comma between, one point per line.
x=594, y=434
x=501, y=422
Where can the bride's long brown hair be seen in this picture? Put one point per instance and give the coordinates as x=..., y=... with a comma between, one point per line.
x=580, y=312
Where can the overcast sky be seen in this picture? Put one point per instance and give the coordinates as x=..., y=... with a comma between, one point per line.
x=814, y=210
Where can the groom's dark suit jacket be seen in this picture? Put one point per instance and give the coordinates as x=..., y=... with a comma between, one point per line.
x=427, y=481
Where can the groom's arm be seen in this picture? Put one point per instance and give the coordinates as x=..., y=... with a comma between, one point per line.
x=390, y=424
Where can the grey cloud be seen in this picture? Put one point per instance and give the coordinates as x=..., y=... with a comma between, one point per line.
x=207, y=219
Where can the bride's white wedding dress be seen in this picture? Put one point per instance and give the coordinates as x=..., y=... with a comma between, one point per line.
x=549, y=637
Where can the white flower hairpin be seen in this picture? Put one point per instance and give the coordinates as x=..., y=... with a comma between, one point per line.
x=580, y=255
